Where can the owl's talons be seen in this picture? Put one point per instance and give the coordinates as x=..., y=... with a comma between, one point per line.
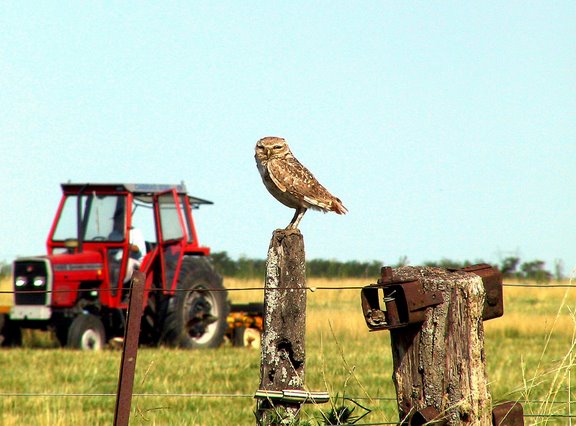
x=297, y=218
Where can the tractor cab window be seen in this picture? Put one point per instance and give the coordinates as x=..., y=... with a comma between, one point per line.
x=92, y=217
x=169, y=218
x=187, y=218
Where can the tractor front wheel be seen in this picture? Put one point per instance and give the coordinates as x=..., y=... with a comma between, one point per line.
x=197, y=313
x=10, y=333
x=86, y=332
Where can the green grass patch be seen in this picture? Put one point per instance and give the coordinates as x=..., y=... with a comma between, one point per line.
x=529, y=354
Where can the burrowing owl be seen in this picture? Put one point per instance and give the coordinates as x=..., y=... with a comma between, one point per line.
x=290, y=182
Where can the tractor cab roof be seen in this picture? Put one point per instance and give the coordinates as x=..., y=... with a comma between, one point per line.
x=143, y=192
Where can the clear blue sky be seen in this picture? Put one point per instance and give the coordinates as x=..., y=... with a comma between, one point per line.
x=447, y=128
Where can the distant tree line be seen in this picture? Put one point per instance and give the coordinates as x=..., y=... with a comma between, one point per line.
x=244, y=267
x=511, y=267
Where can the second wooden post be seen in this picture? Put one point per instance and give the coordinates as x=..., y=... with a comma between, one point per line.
x=435, y=320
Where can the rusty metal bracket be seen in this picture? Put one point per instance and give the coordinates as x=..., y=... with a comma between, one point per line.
x=508, y=413
x=405, y=302
x=492, y=280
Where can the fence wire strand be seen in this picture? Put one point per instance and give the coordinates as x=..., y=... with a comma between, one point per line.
x=227, y=290
x=251, y=396
x=214, y=395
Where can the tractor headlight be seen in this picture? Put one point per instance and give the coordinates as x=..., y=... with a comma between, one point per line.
x=20, y=281
x=39, y=281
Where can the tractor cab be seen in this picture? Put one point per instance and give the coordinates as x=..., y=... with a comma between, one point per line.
x=115, y=228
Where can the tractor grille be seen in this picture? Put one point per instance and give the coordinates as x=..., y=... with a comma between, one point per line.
x=31, y=281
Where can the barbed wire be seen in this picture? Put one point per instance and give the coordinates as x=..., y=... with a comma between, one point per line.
x=251, y=396
x=309, y=288
x=556, y=416
x=540, y=285
x=221, y=395
x=110, y=394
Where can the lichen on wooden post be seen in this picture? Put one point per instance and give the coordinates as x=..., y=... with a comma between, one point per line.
x=283, y=338
x=439, y=366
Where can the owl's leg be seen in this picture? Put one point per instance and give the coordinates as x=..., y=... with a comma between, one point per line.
x=297, y=218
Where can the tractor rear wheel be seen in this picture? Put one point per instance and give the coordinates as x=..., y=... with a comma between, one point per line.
x=86, y=332
x=197, y=313
x=152, y=318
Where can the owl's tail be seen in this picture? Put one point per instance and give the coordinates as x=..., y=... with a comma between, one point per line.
x=338, y=207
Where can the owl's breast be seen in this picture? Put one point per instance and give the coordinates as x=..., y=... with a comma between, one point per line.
x=285, y=197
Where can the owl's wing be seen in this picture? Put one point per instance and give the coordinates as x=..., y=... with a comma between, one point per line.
x=291, y=176
x=277, y=173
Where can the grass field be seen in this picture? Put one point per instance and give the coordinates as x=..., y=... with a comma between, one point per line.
x=529, y=352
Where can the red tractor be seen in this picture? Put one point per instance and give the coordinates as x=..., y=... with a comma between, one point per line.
x=80, y=288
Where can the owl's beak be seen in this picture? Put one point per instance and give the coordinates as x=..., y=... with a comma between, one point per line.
x=268, y=152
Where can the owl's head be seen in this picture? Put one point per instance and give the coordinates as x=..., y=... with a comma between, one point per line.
x=271, y=147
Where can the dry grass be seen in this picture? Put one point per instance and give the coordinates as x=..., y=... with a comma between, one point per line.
x=530, y=311
x=536, y=311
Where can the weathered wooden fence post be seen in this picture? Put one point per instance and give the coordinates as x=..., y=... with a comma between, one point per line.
x=435, y=317
x=283, y=338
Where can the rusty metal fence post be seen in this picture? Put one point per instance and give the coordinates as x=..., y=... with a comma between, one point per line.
x=129, y=350
x=435, y=317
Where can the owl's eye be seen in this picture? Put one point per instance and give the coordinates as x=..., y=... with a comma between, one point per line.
x=277, y=147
